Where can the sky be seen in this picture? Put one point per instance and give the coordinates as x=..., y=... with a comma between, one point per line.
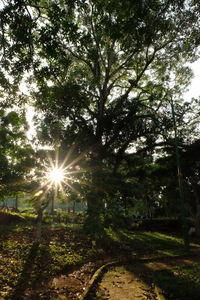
x=194, y=89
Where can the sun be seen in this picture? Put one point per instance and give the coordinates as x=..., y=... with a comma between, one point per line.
x=60, y=176
x=56, y=175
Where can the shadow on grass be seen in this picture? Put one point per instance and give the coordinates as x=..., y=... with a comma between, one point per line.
x=56, y=255
x=150, y=240
x=31, y=276
x=173, y=283
x=142, y=243
x=7, y=230
x=176, y=285
x=25, y=277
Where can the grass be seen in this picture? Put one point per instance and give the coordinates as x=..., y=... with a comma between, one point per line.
x=23, y=267
x=181, y=282
x=59, y=250
x=151, y=244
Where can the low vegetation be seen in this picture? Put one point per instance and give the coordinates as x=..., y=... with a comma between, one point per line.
x=27, y=269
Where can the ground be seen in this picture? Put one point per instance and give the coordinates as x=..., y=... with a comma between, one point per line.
x=142, y=280
x=62, y=265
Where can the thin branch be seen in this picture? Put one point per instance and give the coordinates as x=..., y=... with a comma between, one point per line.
x=122, y=65
x=81, y=58
x=96, y=40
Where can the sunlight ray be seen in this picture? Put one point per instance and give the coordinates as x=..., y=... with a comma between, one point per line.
x=56, y=157
x=55, y=192
x=68, y=155
x=76, y=160
x=71, y=187
x=56, y=175
x=44, y=192
x=76, y=171
x=42, y=185
x=50, y=159
x=62, y=190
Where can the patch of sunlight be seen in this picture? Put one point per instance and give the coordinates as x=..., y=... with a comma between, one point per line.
x=112, y=234
x=194, y=245
x=162, y=236
x=171, y=252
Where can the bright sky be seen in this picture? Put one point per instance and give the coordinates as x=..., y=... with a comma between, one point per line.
x=30, y=113
x=194, y=89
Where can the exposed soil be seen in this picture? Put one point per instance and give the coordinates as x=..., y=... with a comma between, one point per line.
x=71, y=286
x=120, y=283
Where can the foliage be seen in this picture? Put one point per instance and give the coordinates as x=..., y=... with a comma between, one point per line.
x=16, y=154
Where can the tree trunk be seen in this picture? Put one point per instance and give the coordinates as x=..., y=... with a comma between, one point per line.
x=197, y=200
x=39, y=225
x=95, y=200
x=74, y=205
x=16, y=203
x=52, y=205
x=39, y=210
x=197, y=220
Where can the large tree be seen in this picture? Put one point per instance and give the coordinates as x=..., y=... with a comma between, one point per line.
x=103, y=72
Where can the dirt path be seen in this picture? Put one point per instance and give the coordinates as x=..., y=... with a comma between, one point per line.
x=135, y=281
x=119, y=283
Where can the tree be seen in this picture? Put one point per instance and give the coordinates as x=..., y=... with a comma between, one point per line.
x=102, y=71
x=164, y=170
x=16, y=154
x=191, y=171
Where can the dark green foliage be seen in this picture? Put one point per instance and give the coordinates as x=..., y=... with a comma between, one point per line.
x=162, y=225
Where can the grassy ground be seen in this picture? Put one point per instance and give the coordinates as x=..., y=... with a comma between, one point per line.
x=65, y=260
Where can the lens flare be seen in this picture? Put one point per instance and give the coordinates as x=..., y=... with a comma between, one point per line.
x=59, y=175
x=56, y=175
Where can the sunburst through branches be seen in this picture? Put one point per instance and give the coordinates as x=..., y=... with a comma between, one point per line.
x=56, y=175
x=60, y=175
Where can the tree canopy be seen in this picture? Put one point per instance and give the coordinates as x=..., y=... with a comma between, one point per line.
x=101, y=74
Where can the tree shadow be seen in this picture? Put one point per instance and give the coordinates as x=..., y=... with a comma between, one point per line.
x=176, y=286
x=142, y=243
x=170, y=281
x=31, y=276
x=39, y=269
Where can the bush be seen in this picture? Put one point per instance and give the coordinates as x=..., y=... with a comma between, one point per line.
x=161, y=225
